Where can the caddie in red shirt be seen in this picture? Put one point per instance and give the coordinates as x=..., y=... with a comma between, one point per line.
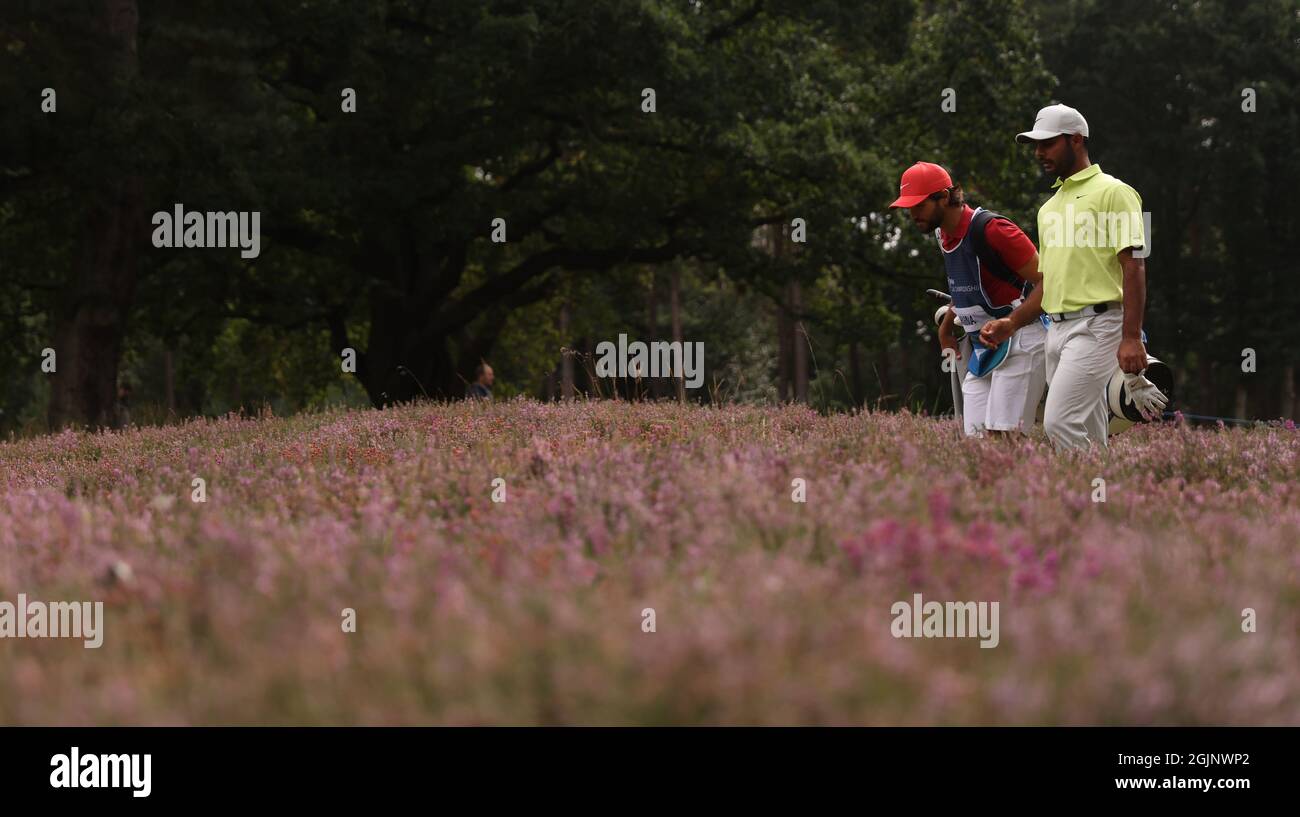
x=993, y=279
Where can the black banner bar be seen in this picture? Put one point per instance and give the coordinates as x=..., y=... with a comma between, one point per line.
x=215, y=766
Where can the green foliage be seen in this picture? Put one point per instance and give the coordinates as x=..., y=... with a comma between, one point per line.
x=376, y=223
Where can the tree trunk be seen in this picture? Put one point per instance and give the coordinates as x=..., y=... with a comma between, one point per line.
x=398, y=365
x=675, y=309
x=169, y=381
x=799, y=340
x=1239, y=405
x=902, y=376
x=420, y=341
x=1286, y=409
x=855, y=374
x=784, y=323
x=90, y=321
x=1208, y=401
x=655, y=386
x=566, y=359
x=785, y=353
x=793, y=350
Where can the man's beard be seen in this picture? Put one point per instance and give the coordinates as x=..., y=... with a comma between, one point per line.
x=1066, y=167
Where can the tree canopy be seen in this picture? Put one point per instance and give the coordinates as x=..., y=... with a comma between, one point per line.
x=635, y=154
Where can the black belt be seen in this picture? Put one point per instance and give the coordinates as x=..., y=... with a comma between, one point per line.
x=1087, y=311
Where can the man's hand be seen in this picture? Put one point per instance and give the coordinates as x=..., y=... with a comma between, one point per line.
x=948, y=341
x=1132, y=356
x=993, y=333
x=945, y=337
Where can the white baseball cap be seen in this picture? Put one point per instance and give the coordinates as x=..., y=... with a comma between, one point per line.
x=1055, y=120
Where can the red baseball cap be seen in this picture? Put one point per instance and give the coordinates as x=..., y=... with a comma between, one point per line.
x=919, y=181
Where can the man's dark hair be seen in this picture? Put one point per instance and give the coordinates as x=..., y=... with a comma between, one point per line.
x=480, y=368
x=956, y=198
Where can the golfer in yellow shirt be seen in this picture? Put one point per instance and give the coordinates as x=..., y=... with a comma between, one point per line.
x=1094, y=283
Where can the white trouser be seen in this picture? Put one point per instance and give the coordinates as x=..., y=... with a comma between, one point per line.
x=1006, y=399
x=1081, y=357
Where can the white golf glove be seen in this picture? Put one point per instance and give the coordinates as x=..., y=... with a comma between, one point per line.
x=1143, y=395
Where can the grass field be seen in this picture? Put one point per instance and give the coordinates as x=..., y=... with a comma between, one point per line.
x=766, y=610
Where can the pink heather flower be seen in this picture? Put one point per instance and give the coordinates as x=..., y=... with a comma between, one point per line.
x=683, y=509
x=940, y=508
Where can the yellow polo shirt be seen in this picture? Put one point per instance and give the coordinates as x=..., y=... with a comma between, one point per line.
x=1081, y=230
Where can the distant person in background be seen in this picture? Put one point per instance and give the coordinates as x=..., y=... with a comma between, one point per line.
x=124, y=405
x=481, y=388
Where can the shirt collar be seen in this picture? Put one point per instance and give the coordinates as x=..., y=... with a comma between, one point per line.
x=1087, y=172
x=967, y=214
